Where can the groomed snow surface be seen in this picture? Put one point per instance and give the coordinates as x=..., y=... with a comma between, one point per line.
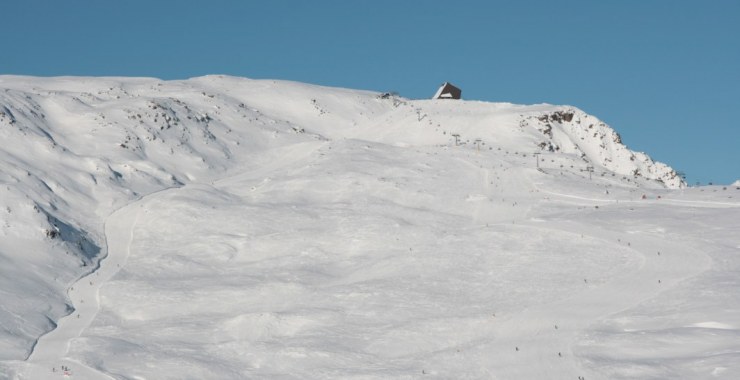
x=225, y=228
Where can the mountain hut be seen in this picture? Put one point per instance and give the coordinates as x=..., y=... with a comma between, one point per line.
x=448, y=91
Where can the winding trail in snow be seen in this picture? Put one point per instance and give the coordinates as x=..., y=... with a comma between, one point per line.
x=50, y=352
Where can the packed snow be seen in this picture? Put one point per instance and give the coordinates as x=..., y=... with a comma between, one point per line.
x=228, y=228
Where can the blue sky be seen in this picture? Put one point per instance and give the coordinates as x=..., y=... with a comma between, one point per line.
x=664, y=74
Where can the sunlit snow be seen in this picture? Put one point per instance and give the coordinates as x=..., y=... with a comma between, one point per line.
x=226, y=228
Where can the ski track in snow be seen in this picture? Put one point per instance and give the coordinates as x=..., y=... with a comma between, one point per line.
x=49, y=353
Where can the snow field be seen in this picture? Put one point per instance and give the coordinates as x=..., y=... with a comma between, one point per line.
x=271, y=229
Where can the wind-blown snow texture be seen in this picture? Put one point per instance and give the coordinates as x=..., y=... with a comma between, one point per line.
x=228, y=228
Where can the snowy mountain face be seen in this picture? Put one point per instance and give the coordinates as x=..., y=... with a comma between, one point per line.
x=221, y=227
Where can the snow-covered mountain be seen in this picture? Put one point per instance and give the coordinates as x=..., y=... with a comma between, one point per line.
x=258, y=228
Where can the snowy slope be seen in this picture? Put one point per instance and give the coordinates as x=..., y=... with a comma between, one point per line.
x=276, y=229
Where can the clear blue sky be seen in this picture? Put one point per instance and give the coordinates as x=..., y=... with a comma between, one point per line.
x=664, y=74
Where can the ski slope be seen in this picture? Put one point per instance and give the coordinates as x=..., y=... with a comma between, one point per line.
x=51, y=349
x=227, y=228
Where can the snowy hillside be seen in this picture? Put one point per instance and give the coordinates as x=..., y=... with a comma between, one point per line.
x=229, y=228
